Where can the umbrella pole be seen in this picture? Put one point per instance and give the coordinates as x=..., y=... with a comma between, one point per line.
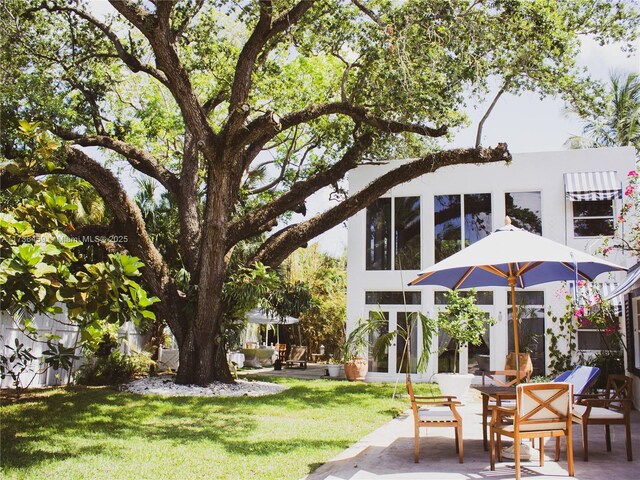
x=514, y=319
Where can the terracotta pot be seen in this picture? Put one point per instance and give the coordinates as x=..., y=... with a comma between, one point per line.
x=525, y=362
x=356, y=369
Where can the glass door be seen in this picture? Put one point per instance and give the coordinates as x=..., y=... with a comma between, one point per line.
x=400, y=353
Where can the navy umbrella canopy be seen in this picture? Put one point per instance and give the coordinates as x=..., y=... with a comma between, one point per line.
x=511, y=257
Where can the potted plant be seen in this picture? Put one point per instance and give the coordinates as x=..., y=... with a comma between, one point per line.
x=527, y=341
x=465, y=324
x=353, y=353
x=334, y=366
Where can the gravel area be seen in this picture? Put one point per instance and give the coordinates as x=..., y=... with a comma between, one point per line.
x=165, y=386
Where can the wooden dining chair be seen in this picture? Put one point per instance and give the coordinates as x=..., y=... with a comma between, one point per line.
x=542, y=410
x=613, y=407
x=434, y=411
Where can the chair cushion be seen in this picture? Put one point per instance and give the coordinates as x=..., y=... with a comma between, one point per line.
x=597, y=413
x=436, y=415
x=536, y=427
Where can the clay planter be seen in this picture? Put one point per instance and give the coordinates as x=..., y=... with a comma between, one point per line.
x=356, y=369
x=525, y=362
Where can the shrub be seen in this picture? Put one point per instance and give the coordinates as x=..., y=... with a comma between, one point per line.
x=114, y=368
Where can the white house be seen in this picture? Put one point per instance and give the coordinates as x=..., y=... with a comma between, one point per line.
x=418, y=223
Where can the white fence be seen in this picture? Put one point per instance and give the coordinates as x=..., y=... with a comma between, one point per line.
x=38, y=375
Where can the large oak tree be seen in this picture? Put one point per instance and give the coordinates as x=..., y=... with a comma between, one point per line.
x=242, y=109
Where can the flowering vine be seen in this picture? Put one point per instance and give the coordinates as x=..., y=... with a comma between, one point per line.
x=627, y=235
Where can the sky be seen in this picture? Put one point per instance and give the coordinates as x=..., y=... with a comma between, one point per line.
x=526, y=123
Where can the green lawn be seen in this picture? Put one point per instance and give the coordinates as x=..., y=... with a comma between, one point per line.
x=98, y=433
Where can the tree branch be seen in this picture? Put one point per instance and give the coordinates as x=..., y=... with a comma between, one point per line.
x=277, y=247
x=369, y=13
x=489, y=110
x=265, y=29
x=134, y=64
x=188, y=203
x=267, y=126
x=128, y=220
x=178, y=32
x=260, y=219
x=139, y=159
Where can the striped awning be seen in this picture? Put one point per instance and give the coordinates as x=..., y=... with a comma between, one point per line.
x=580, y=186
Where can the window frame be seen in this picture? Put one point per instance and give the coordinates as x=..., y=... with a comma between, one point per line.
x=392, y=253
x=593, y=217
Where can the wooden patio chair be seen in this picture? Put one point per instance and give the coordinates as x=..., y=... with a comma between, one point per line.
x=613, y=407
x=297, y=355
x=434, y=411
x=542, y=410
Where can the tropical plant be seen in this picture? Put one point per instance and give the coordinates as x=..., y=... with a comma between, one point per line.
x=463, y=321
x=15, y=363
x=377, y=322
x=618, y=124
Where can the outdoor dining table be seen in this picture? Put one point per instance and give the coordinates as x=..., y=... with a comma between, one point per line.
x=497, y=393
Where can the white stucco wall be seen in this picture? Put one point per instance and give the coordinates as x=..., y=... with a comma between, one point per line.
x=527, y=172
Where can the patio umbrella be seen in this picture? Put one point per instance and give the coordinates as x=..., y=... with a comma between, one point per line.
x=257, y=315
x=513, y=257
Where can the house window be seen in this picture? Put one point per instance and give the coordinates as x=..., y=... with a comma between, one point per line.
x=524, y=209
x=393, y=298
x=483, y=297
x=379, y=235
x=459, y=218
x=407, y=233
x=592, y=218
x=405, y=225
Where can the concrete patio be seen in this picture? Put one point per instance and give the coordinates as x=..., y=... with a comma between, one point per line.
x=387, y=453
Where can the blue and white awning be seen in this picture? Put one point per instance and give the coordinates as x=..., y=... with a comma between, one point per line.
x=580, y=186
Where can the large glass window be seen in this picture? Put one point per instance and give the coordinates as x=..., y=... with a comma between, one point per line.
x=406, y=234
x=449, y=228
x=379, y=235
x=592, y=218
x=525, y=210
x=530, y=310
x=447, y=225
x=477, y=217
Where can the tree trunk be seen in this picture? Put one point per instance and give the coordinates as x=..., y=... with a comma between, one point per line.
x=202, y=352
x=202, y=362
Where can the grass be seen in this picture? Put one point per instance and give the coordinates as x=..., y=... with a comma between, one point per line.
x=99, y=433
